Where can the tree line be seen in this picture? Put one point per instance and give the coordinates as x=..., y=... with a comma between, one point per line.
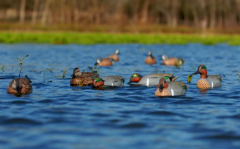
x=201, y=14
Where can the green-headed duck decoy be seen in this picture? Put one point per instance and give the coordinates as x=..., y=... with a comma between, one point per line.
x=150, y=79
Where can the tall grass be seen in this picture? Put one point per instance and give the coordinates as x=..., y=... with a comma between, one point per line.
x=109, y=38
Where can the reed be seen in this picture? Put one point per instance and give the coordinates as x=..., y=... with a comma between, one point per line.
x=21, y=64
x=63, y=75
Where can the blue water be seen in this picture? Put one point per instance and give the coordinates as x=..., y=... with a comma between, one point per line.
x=57, y=115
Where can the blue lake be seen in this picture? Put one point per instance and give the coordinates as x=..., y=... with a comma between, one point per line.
x=57, y=115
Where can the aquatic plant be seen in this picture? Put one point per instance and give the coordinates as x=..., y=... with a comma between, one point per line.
x=92, y=69
x=21, y=64
x=63, y=75
x=189, y=78
x=2, y=68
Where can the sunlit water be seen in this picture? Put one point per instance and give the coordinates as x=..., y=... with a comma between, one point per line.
x=56, y=115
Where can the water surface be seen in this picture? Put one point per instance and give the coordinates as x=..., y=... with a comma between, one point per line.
x=56, y=115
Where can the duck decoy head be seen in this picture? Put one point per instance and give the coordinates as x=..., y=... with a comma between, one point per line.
x=164, y=57
x=150, y=54
x=135, y=78
x=202, y=69
x=99, y=60
x=117, y=52
x=17, y=85
x=98, y=82
x=76, y=72
x=180, y=62
x=168, y=79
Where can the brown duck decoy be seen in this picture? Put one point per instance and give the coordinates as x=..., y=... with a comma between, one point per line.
x=20, y=86
x=150, y=60
x=82, y=78
x=104, y=62
x=115, y=56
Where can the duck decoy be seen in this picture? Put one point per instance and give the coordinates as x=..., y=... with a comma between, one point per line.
x=207, y=81
x=170, y=88
x=172, y=61
x=150, y=60
x=82, y=78
x=20, y=86
x=151, y=79
x=115, y=56
x=104, y=62
x=114, y=81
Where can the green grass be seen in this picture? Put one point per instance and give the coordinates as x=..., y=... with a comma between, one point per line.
x=114, y=38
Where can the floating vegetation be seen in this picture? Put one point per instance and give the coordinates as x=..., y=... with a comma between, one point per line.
x=63, y=75
x=21, y=64
x=189, y=78
x=49, y=69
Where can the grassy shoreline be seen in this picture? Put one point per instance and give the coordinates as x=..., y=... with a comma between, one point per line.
x=115, y=38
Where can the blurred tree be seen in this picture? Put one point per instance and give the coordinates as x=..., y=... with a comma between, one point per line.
x=200, y=14
x=45, y=12
x=35, y=11
x=22, y=11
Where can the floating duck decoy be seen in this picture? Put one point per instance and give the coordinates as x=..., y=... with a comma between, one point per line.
x=115, y=56
x=150, y=60
x=172, y=61
x=104, y=62
x=206, y=81
x=170, y=88
x=82, y=78
x=20, y=86
x=151, y=79
x=114, y=81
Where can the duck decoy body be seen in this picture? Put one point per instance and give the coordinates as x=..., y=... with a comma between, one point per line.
x=117, y=81
x=151, y=79
x=20, y=86
x=207, y=81
x=104, y=62
x=82, y=78
x=170, y=88
x=115, y=56
x=150, y=60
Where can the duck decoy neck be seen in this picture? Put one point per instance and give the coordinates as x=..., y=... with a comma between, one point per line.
x=28, y=79
x=197, y=72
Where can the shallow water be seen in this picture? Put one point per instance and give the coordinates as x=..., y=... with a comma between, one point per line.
x=56, y=115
